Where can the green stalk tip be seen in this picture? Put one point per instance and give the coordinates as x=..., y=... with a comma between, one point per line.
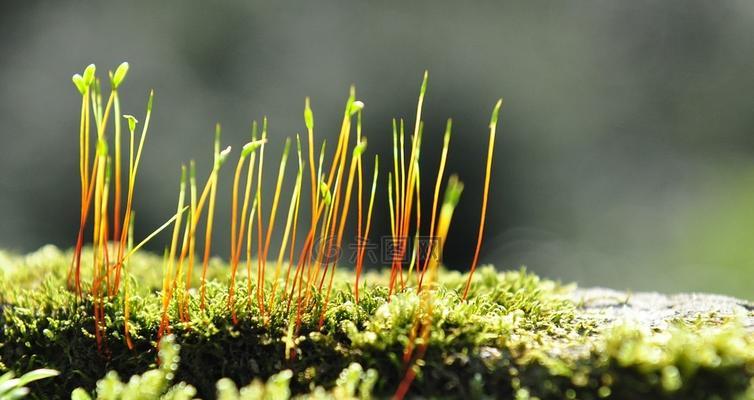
x=183, y=175
x=251, y=147
x=395, y=138
x=119, y=75
x=132, y=121
x=351, y=99
x=453, y=191
x=308, y=115
x=424, y=84
x=448, y=127
x=253, y=130
x=325, y=192
x=356, y=106
x=151, y=100
x=78, y=80
x=287, y=148
x=89, y=72
x=359, y=149
x=495, y=113
x=223, y=156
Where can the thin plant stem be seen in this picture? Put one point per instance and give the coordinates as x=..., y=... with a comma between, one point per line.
x=488, y=172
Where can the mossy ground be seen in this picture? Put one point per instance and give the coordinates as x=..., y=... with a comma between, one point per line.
x=518, y=336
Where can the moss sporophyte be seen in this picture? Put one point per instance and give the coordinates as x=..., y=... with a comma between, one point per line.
x=311, y=324
x=330, y=206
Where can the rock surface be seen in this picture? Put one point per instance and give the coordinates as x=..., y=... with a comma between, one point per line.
x=656, y=310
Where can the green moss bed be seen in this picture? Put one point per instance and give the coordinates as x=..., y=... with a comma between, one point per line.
x=517, y=337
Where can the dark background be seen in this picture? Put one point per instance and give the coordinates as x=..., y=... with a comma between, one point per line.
x=625, y=153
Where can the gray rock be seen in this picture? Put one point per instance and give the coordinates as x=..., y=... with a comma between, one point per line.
x=656, y=310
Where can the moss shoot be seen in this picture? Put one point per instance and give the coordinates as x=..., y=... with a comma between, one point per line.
x=516, y=337
x=119, y=324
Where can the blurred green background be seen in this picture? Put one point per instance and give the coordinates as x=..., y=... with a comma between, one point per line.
x=625, y=153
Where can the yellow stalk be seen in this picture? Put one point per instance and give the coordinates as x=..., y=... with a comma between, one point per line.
x=423, y=318
x=249, y=242
x=191, y=243
x=293, y=238
x=290, y=220
x=126, y=307
x=284, y=242
x=237, y=238
x=390, y=203
x=260, y=228
x=152, y=235
x=275, y=202
x=116, y=79
x=82, y=152
x=324, y=232
x=345, y=133
x=249, y=148
x=133, y=169
x=219, y=159
x=415, y=252
x=233, y=233
x=208, y=240
x=309, y=121
x=196, y=213
x=103, y=123
x=345, y=128
x=325, y=245
x=178, y=222
x=360, y=260
x=401, y=205
x=338, y=166
x=168, y=274
x=452, y=195
x=357, y=151
x=313, y=228
x=394, y=201
x=73, y=278
x=104, y=227
x=101, y=159
x=273, y=212
x=359, y=200
x=408, y=189
x=435, y=198
x=116, y=206
x=176, y=277
x=488, y=172
x=87, y=133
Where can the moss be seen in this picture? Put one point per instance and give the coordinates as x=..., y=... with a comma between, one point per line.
x=517, y=336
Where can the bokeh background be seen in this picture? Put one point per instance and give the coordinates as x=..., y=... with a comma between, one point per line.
x=625, y=153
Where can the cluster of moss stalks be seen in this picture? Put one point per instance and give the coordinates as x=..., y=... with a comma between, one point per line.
x=517, y=336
